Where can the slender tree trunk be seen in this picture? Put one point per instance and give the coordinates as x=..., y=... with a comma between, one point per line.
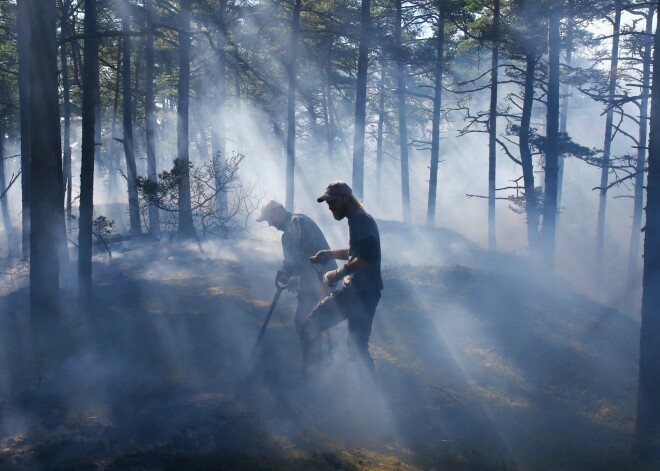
x=607, y=146
x=47, y=196
x=437, y=106
x=6, y=219
x=361, y=99
x=114, y=155
x=647, y=426
x=552, y=137
x=327, y=100
x=90, y=71
x=218, y=129
x=23, y=34
x=403, y=114
x=641, y=152
x=492, y=126
x=150, y=118
x=66, y=108
x=381, y=126
x=186, y=229
x=291, y=107
x=129, y=150
x=563, y=118
x=531, y=200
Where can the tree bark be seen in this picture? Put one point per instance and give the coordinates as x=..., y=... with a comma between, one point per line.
x=6, y=218
x=218, y=129
x=23, y=35
x=129, y=150
x=647, y=426
x=531, y=200
x=403, y=112
x=381, y=127
x=638, y=204
x=66, y=108
x=327, y=102
x=186, y=229
x=361, y=99
x=435, y=127
x=47, y=208
x=552, y=137
x=492, y=126
x=291, y=107
x=607, y=145
x=563, y=118
x=90, y=71
x=150, y=118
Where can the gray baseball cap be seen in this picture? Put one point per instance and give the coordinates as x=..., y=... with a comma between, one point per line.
x=267, y=209
x=335, y=189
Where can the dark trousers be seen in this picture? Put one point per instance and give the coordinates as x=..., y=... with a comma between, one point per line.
x=358, y=307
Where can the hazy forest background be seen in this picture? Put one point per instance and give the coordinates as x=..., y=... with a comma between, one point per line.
x=507, y=148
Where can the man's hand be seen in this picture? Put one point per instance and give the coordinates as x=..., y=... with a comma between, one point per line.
x=332, y=277
x=322, y=257
x=282, y=277
x=294, y=284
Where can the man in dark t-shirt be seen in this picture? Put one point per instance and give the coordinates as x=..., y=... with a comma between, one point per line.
x=357, y=299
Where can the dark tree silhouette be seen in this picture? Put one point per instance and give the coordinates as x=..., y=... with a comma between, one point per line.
x=361, y=98
x=292, y=71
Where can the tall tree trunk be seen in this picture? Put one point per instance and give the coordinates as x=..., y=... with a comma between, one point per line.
x=114, y=155
x=492, y=126
x=218, y=129
x=23, y=35
x=90, y=71
x=647, y=426
x=291, y=107
x=327, y=102
x=6, y=219
x=563, y=118
x=129, y=150
x=66, y=107
x=47, y=196
x=361, y=99
x=437, y=106
x=531, y=200
x=403, y=112
x=381, y=126
x=552, y=136
x=641, y=151
x=150, y=118
x=186, y=229
x=607, y=145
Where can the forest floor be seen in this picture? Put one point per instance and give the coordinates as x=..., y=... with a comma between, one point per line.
x=480, y=366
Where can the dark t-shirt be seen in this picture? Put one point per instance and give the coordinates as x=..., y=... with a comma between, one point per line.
x=301, y=239
x=364, y=242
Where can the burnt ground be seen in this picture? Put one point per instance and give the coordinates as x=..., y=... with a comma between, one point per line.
x=479, y=368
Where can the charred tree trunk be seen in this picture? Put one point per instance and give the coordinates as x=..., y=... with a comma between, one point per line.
x=129, y=150
x=114, y=155
x=186, y=229
x=492, y=126
x=531, y=200
x=403, y=112
x=90, y=71
x=291, y=107
x=66, y=108
x=47, y=196
x=361, y=99
x=633, y=256
x=150, y=118
x=552, y=137
x=23, y=35
x=607, y=145
x=647, y=426
x=435, y=128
